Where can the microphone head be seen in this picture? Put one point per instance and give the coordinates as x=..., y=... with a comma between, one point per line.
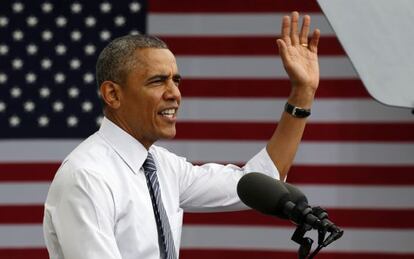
x=263, y=193
x=296, y=195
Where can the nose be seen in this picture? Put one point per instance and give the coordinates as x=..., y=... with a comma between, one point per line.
x=172, y=92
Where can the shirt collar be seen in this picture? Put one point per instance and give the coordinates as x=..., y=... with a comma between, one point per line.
x=127, y=147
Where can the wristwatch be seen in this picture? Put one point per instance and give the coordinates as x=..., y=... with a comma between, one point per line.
x=297, y=112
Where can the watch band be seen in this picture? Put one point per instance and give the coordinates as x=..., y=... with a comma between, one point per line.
x=297, y=112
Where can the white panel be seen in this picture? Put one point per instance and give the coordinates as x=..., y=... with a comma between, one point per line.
x=378, y=36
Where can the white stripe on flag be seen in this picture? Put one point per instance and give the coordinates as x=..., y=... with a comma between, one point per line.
x=243, y=238
x=310, y=153
x=331, y=67
x=269, y=110
x=226, y=24
x=332, y=196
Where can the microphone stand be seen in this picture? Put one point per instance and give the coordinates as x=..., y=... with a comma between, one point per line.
x=306, y=242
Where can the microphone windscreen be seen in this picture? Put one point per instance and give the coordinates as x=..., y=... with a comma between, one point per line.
x=296, y=195
x=263, y=193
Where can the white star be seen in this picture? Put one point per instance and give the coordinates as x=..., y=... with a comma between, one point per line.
x=29, y=106
x=3, y=78
x=60, y=78
x=75, y=63
x=43, y=121
x=88, y=78
x=18, y=35
x=2, y=106
x=61, y=21
x=99, y=120
x=17, y=7
x=105, y=35
x=4, y=49
x=73, y=92
x=47, y=7
x=90, y=21
x=106, y=7
x=14, y=121
x=30, y=77
x=47, y=35
x=134, y=32
x=119, y=20
x=44, y=92
x=87, y=106
x=89, y=49
x=17, y=63
x=72, y=121
x=31, y=21
x=134, y=7
x=76, y=35
x=58, y=106
x=4, y=21
x=46, y=63
x=60, y=49
x=31, y=49
x=15, y=92
x=76, y=7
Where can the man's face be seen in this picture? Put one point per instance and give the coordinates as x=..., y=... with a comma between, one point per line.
x=150, y=96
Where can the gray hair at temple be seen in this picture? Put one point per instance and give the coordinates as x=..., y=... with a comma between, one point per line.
x=117, y=59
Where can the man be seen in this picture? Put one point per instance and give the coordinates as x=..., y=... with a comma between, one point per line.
x=119, y=196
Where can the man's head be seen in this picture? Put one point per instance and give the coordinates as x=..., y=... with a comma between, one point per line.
x=138, y=80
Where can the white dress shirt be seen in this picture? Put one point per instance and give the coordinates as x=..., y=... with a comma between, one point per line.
x=99, y=207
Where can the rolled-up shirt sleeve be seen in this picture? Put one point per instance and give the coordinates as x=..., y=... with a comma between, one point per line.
x=213, y=187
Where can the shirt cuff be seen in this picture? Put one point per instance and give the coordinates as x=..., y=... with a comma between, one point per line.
x=262, y=163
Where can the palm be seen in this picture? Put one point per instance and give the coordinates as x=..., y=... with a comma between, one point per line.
x=299, y=59
x=301, y=64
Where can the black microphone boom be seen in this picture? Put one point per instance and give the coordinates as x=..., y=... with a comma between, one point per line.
x=272, y=197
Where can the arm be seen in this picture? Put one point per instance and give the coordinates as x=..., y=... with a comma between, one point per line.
x=300, y=60
x=79, y=221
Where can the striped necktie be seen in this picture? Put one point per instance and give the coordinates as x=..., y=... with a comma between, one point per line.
x=165, y=239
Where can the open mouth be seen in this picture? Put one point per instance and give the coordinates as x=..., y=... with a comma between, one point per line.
x=168, y=113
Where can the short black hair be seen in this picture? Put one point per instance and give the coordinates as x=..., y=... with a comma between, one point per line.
x=117, y=59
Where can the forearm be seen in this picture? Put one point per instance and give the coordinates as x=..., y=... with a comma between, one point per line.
x=285, y=141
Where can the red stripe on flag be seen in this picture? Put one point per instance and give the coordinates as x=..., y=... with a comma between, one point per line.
x=232, y=6
x=350, y=218
x=305, y=174
x=249, y=254
x=353, y=218
x=352, y=175
x=41, y=253
x=27, y=172
x=314, y=131
x=268, y=88
x=24, y=253
x=23, y=214
x=246, y=46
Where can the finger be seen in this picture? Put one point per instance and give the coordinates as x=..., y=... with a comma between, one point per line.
x=313, y=45
x=283, y=51
x=303, y=36
x=286, y=30
x=294, y=28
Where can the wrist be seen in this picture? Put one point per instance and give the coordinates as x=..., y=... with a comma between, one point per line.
x=302, y=97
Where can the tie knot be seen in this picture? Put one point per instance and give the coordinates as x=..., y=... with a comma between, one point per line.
x=149, y=164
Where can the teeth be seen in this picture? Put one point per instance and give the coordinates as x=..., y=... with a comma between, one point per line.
x=168, y=112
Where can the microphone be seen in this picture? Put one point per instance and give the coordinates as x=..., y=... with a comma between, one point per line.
x=273, y=197
x=297, y=196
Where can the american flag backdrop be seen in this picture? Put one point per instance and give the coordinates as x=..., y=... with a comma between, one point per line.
x=356, y=158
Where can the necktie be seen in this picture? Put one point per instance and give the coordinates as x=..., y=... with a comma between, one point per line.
x=165, y=238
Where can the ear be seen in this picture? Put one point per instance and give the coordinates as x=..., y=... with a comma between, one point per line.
x=111, y=94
